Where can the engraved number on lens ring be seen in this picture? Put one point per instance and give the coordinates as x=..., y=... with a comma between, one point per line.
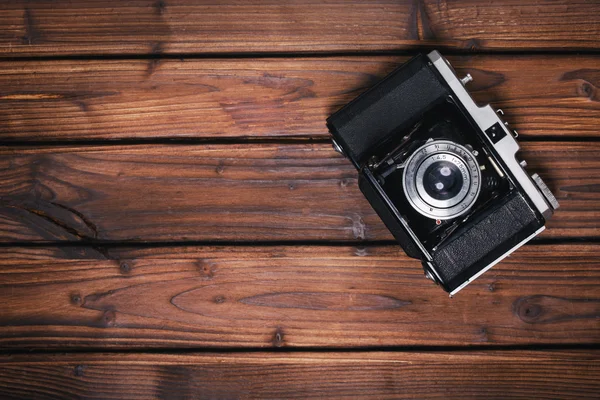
x=428, y=154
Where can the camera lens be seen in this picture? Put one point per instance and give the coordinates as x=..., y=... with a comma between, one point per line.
x=442, y=180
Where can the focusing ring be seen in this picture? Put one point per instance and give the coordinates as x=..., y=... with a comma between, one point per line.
x=429, y=154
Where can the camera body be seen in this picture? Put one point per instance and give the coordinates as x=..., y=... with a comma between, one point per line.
x=440, y=171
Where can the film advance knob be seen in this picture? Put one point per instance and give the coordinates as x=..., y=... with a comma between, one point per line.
x=545, y=191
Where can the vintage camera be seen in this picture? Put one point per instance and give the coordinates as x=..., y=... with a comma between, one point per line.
x=441, y=172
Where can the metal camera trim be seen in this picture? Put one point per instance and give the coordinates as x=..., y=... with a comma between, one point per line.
x=446, y=209
x=485, y=117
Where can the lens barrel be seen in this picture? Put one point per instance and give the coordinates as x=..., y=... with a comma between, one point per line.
x=442, y=179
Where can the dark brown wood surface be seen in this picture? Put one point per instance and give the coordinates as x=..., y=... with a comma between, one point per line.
x=406, y=375
x=178, y=26
x=290, y=296
x=169, y=196
x=257, y=98
x=245, y=192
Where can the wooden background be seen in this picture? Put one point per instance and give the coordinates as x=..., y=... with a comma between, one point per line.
x=175, y=224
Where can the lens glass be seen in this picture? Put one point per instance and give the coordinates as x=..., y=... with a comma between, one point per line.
x=442, y=180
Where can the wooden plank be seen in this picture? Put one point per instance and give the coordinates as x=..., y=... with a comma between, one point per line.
x=290, y=296
x=374, y=375
x=37, y=27
x=250, y=192
x=125, y=99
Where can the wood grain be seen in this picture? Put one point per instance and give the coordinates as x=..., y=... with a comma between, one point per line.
x=246, y=192
x=256, y=98
x=290, y=296
x=37, y=27
x=137, y=71
x=398, y=375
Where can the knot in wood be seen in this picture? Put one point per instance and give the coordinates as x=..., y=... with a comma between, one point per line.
x=278, y=340
x=78, y=370
x=109, y=318
x=528, y=309
x=125, y=268
x=76, y=299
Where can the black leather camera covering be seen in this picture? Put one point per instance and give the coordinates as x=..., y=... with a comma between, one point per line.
x=372, y=192
x=391, y=105
x=484, y=240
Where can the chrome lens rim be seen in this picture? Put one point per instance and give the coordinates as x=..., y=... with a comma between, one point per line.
x=427, y=155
